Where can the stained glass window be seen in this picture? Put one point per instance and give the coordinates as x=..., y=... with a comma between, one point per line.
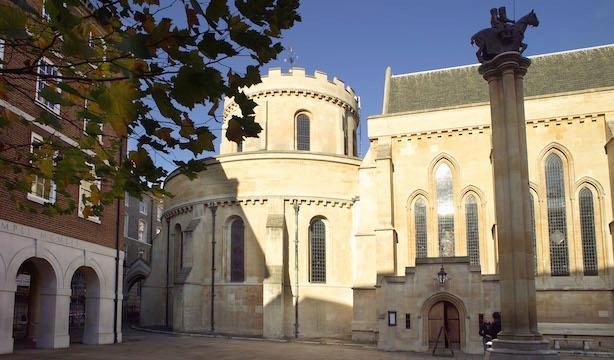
x=237, y=251
x=302, y=132
x=317, y=244
x=420, y=226
x=557, y=216
x=445, y=210
x=533, y=231
x=473, y=235
x=587, y=229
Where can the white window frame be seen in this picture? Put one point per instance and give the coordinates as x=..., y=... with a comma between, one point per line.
x=141, y=235
x=142, y=207
x=86, y=121
x=1, y=53
x=85, y=186
x=54, y=108
x=126, y=224
x=32, y=195
x=44, y=14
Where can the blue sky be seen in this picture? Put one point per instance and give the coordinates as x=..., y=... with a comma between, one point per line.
x=356, y=40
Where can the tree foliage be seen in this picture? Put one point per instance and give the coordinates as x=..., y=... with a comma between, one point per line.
x=138, y=67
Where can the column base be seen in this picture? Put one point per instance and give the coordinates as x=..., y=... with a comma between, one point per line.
x=6, y=344
x=520, y=349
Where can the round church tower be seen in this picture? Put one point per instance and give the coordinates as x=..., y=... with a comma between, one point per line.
x=266, y=230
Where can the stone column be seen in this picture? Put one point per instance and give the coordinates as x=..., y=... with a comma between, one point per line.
x=7, y=308
x=53, y=320
x=273, y=284
x=519, y=338
x=384, y=233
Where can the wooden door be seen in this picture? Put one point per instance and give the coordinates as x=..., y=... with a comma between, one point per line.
x=444, y=314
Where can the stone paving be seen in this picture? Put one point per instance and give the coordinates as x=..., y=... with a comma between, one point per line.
x=148, y=346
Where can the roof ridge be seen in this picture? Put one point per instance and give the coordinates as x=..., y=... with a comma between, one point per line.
x=467, y=66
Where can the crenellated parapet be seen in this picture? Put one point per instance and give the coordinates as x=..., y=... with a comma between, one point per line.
x=297, y=83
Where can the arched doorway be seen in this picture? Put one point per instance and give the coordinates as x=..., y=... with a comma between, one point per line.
x=132, y=304
x=84, y=314
x=444, y=314
x=35, y=303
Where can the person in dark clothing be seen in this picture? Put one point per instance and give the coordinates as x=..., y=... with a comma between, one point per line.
x=495, y=327
x=484, y=329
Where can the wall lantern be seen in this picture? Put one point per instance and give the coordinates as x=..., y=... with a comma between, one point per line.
x=442, y=276
x=392, y=318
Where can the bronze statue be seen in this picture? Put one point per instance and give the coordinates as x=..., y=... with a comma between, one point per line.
x=503, y=35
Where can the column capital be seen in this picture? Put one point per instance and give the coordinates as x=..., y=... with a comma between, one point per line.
x=505, y=62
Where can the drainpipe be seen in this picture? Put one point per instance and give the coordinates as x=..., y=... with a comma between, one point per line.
x=117, y=221
x=213, y=210
x=296, y=209
x=168, y=249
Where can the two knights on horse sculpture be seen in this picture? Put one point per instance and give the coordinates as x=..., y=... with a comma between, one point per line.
x=504, y=34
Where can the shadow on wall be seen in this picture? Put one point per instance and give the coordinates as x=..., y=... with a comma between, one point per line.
x=178, y=292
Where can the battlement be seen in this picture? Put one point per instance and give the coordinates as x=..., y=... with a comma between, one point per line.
x=297, y=72
x=297, y=82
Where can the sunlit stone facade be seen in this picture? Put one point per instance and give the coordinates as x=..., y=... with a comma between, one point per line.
x=373, y=233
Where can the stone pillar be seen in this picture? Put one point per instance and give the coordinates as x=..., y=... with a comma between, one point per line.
x=519, y=337
x=7, y=308
x=273, y=284
x=384, y=233
x=53, y=320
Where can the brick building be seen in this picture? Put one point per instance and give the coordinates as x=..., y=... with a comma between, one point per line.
x=141, y=226
x=60, y=277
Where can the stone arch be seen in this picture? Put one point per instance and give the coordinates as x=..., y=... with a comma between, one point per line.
x=227, y=238
x=484, y=249
x=570, y=212
x=565, y=154
x=310, y=119
x=139, y=270
x=93, y=330
x=3, y=270
x=598, y=218
x=81, y=261
x=49, y=298
x=444, y=158
x=540, y=251
x=31, y=252
x=462, y=312
x=327, y=246
x=412, y=252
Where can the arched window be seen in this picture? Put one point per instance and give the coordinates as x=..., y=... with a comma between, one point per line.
x=587, y=229
x=237, y=251
x=317, y=251
x=178, y=248
x=420, y=226
x=445, y=210
x=302, y=132
x=473, y=232
x=345, y=135
x=533, y=233
x=557, y=216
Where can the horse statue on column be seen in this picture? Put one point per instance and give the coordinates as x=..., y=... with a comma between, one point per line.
x=504, y=35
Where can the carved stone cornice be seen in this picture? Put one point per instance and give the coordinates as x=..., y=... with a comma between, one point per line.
x=231, y=107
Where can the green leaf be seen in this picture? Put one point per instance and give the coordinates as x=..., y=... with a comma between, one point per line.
x=216, y=10
x=196, y=84
x=12, y=22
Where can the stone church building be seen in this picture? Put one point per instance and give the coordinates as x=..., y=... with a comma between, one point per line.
x=291, y=234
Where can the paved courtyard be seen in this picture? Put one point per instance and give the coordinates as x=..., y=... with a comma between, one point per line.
x=147, y=346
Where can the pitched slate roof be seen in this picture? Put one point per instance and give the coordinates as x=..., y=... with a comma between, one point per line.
x=548, y=74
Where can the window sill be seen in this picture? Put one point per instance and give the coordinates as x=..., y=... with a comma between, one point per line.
x=37, y=199
x=44, y=106
x=93, y=219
